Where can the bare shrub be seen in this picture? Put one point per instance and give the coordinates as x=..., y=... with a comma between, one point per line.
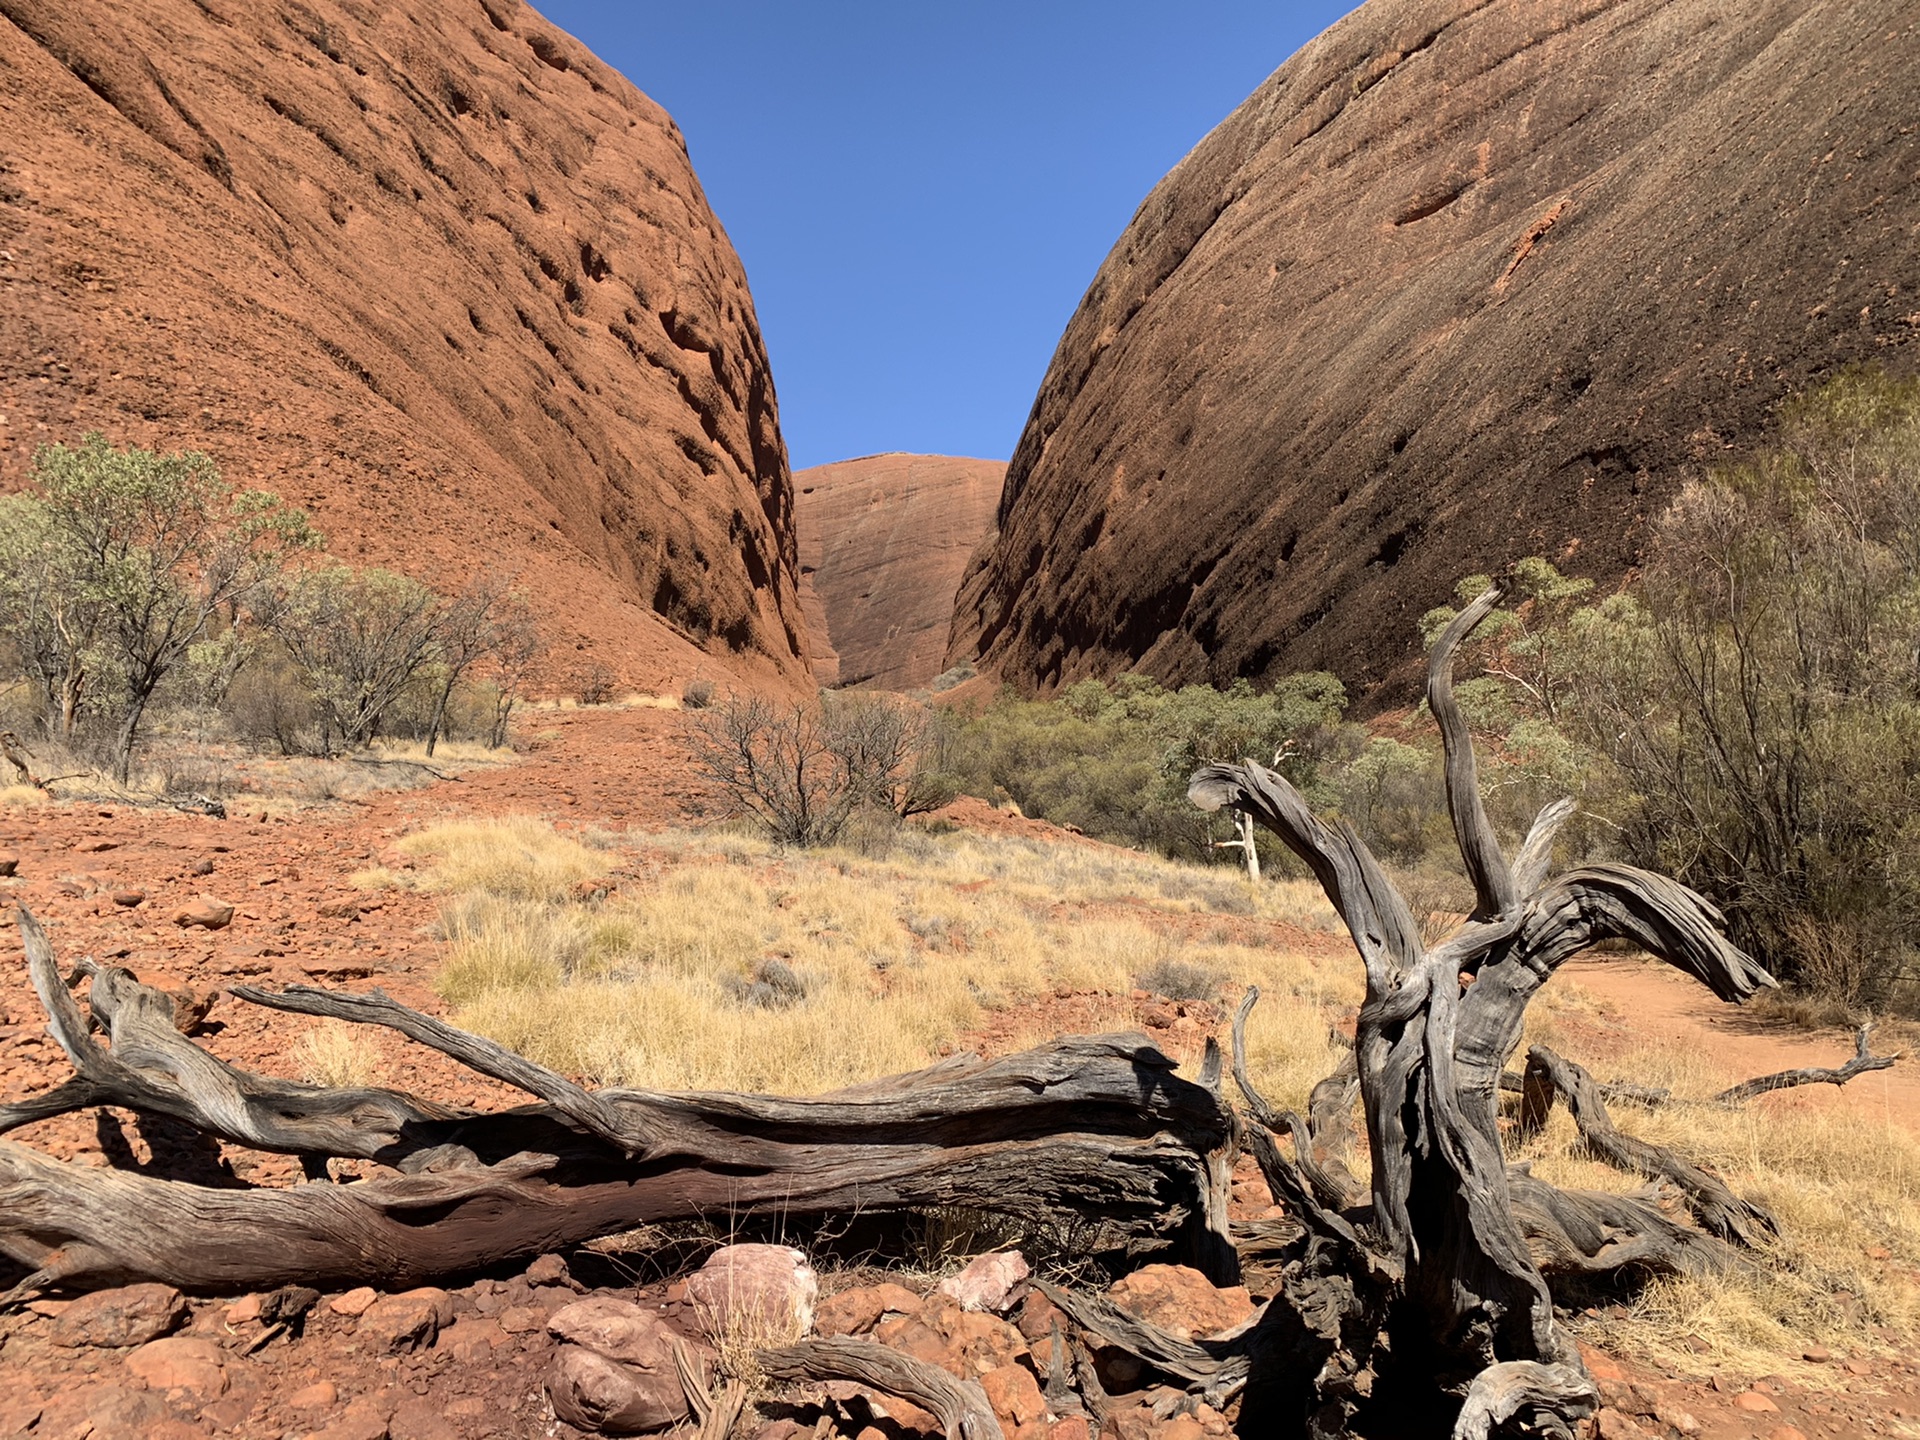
x=698, y=695
x=774, y=985
x=803, y=771
x=593, y=684
x=1180, y=980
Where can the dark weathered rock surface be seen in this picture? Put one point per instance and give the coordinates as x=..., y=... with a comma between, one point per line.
x=883, y=542
x=431, y=271
x=1461, y=282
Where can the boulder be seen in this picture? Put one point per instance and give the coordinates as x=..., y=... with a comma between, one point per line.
x=129, y=1315
x=181, y=1362
x=618, y=1330
x=394, y=1324
x=962, y=1343
x=205, y=913
x=594, y=1393
x=354, y=1302
x=1180, y=1299
x=1015, y=1395
x=990, y=1282
x=765, y=1293
x=1460, y=282
x=851, y=1312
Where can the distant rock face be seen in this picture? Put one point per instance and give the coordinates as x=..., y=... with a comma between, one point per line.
x=1461, y=282
x=883, y=543
x=430, y=270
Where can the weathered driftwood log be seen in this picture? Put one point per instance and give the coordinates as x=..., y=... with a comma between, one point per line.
x=152, y=1067
x=1434, y=1032
x=1862, y=1062
x=1716, y=1207
x=960, y=1405
x=1089, y=1126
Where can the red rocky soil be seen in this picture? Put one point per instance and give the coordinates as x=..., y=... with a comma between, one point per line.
x=471, y=1361
x=883, y=542
x=1461, y=282
x=431, y=271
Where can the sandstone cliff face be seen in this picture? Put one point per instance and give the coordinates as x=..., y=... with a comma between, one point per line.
x=430, y=270
x=1463, y=281
x=883, y=542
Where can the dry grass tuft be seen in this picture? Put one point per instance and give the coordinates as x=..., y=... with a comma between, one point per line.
x=21, y=796
x=336, y=1054
x=517, y=858
x=882, y=963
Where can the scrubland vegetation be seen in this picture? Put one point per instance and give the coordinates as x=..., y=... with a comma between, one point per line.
x=720, y=960
x=142, y=599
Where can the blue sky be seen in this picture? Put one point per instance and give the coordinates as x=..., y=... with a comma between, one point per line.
x=921, y=192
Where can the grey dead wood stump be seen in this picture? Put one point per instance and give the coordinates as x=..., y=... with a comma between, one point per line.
x=1438, y=1282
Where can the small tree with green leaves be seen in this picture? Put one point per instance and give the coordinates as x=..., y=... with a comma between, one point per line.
x=359, y=639
x=145, y=554
x=50, y=622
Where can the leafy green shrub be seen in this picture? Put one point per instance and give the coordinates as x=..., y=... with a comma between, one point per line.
x=1757, y=692
x=1114, y=760
x=122, y=565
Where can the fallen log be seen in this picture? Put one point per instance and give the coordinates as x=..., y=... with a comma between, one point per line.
x=1090, y=1126
x=960, y=1405
x=1716, y=1207
x=1863, y=1061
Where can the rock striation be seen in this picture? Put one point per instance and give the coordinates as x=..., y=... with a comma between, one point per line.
x=883, y=542
x=431, y=271
x=1464, y=280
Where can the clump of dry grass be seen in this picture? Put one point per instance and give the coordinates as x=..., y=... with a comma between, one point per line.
x=517, y=858
x=890, y=960
x=338, y=1055
x=21, y=796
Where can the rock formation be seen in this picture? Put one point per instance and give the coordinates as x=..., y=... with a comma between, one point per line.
x=883, y=542
x=1462, y=281
x=431, y=271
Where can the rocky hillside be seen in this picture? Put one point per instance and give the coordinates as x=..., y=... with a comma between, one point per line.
x=430, y=270
x=1462, y=281
x=883, y=543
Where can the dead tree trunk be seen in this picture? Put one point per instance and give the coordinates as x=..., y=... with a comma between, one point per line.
x=1093, y=1127
x=1466, y=1305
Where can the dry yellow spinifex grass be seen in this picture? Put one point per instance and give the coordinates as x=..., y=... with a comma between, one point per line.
x=735, y=966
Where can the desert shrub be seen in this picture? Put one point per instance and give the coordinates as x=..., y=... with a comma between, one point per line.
x=698, y=695
x=1181, y=980
x=119, y=567
x=593, y=684
x=359, y=639
x=1114, y=759
x=1753, y=694
x=805, y=771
